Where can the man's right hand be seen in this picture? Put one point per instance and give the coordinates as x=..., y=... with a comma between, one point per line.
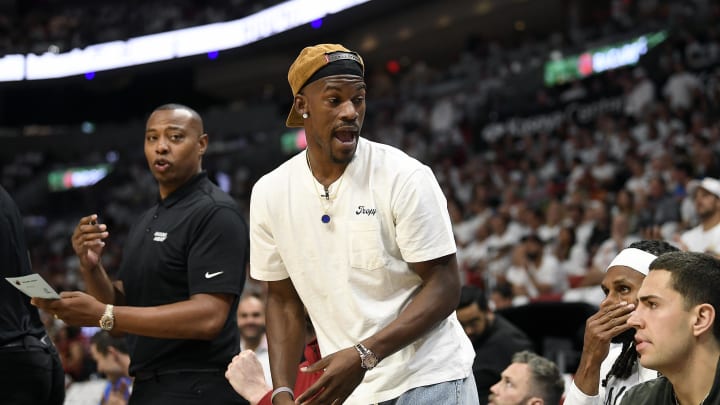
x=246, y=376
x=87, y=241
x=608, y=322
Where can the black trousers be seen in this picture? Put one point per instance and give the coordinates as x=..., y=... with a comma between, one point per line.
x=31, y=373
x=184, y=388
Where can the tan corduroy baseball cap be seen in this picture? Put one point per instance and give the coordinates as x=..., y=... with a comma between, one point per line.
x=310, y=60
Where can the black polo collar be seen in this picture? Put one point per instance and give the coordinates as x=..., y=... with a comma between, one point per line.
x=183, y=190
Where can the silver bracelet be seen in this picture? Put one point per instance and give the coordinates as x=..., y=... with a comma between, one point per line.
x=279, y=390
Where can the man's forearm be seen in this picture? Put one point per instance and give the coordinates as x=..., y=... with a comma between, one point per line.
x=285, y=324
x=587, y=376
x=436, y=300
x=98, y=284
x=202, y=317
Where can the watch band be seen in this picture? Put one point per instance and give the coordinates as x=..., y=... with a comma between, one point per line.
x=107, y=321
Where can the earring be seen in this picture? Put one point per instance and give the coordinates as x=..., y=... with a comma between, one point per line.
x=305, y=115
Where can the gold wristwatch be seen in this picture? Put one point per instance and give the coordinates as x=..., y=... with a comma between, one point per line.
x=107, y=321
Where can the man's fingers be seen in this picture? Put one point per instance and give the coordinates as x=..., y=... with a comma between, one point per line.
x=85, y=222
x=311, y=391
x=46, y=305
x=320, y=386
x=313, y=368
x=320, y=365
x=619, y=329
x=92, y=228
x=616, y=310
x=612, y=327
x=623, y=311
x=610, y=321
x=88, y=219
x=89, y=240
x=93, y=243
x=88, y=228
x=327, y=396
x=88, y=236
x=70, y=294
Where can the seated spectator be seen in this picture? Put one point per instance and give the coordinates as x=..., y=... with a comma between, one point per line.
x=112, y=358
x=661, y=211
x=534, y=271
x=571, y=256
x=504, y=233
x=598, y=214
x=640, y=94
x=74, y=351
x=681, y=88
x=472, y=258
x=608, y=364
x=706, y=236
x=678, y=333
x=625, y=204
x=501, y=296
x=551, y=226
x=619, y=239
x=603, y=170
x=578, y=217
x=494, y=338
x=530, y=380
x=251, y=324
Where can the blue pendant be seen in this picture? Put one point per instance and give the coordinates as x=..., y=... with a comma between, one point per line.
x=325, y=218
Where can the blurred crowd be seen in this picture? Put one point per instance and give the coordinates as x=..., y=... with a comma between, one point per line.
x=557, y=179
x=40, y=26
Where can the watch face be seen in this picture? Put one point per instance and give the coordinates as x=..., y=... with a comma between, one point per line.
x=370, y=361
x=107, y=323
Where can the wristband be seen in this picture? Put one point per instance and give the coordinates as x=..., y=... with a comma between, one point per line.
x=279, y=390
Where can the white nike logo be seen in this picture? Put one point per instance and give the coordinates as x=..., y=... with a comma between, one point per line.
x=211, y=275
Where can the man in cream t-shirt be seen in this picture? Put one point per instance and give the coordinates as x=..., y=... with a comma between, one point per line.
x=358, y=233
x=706, y=236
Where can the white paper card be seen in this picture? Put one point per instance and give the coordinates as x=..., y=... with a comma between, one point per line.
x=33, y=286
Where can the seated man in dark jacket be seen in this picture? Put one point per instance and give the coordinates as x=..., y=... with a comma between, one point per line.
x=677, y=331
x=494, y=338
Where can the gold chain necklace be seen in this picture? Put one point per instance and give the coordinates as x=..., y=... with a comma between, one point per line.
x=324, y=198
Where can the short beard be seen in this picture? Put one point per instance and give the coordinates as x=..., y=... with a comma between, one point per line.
x=706, y=215
x=343, y=160
x=627, y=336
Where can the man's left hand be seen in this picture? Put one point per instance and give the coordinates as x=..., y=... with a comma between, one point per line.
x=342, y=373
x=75, y=308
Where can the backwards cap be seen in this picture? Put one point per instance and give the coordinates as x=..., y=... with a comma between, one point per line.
x=710, y=185
x=636, y=259
x=315, y=62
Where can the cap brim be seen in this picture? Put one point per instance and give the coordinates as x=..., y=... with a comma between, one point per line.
x=715, y=192
x=294, y=119
x=694, y=185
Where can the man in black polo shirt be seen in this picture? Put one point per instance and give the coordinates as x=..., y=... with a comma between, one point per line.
x=183, y=270
x=30, y=368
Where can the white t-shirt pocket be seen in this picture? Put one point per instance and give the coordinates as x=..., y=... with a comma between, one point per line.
x=366, y=248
